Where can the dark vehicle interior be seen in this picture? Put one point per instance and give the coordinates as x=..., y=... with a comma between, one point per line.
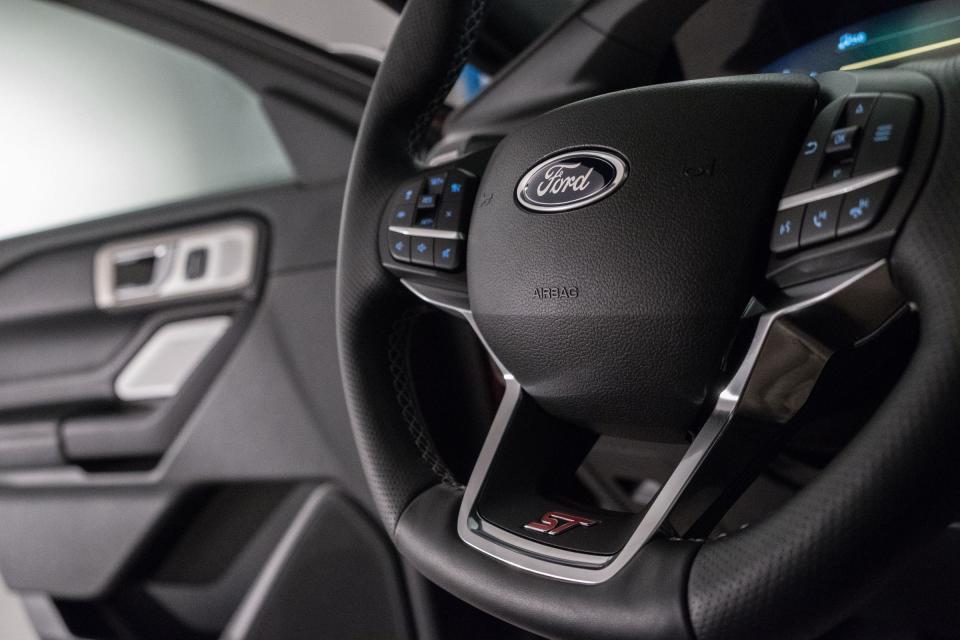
x=411, y=389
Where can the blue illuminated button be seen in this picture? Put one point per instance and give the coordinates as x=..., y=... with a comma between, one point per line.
x=399, y=246
x=403, y=208
x=427, y=201
x=401, y=216
x=887, y=134
x=820, y=221
x=449, y=216
x=421, y=251
x=857, y=111
x=425, y=220
x=409, y=192
x=786, y=230
x=459, y=186
x=435, y=183
x=446, y=254
x=862, y=207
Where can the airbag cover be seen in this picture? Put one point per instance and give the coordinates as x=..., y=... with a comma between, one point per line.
x=617, y=312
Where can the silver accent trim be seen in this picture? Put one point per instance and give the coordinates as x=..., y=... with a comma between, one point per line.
x=837, y=189
x=166, y=360
x=465, y=312
x=359, y=50
x=428, y=233
x=575, y=567
x=231, y=261
x=620, y=174
x=443, y=158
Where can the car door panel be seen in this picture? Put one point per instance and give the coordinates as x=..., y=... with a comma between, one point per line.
x=221, y=496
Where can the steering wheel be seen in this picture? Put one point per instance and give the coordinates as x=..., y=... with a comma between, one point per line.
x=611, y=247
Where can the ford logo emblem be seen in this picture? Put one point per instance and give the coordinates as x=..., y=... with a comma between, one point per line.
x=571, y=180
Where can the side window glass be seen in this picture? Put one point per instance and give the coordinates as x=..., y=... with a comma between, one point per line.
x=98, y=119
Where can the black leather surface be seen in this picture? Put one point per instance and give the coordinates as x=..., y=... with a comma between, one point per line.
x=797, y=573
x=369, y=301
x=644, y=601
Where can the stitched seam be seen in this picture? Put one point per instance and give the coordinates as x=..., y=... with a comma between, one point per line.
x=398, y=350
x=469, y=31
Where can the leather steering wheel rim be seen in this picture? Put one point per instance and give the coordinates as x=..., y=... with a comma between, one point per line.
x=795, y=574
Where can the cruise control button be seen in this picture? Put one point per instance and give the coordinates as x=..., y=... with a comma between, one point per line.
x=841, y=141
x=862, y=207
x=858, y=109
x=435, y=183
x=450, y=216
x=447, y=254
x=820, y=221
x=886, y=135
x=786, y=230
x=399, y=246
x=421, y=251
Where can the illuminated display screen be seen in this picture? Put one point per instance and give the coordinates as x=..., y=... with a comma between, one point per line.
x=884, y=40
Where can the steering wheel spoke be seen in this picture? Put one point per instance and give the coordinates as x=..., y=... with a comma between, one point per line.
x=514, y=508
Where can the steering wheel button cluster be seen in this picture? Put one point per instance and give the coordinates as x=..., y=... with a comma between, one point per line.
x=844, y=174
x=427, y=219
x=820, y=221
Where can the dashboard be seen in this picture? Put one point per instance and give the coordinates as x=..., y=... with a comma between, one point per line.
x=888, y=39
x=728, y=37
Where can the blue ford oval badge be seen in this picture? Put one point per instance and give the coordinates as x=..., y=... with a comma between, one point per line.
x=571, y=180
